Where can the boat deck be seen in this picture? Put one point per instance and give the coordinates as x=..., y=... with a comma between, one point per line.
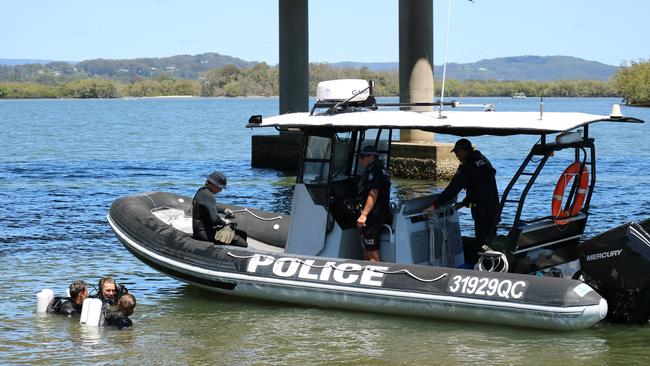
x=180, y=221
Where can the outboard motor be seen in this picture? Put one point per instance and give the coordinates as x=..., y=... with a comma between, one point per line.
x=617, y=264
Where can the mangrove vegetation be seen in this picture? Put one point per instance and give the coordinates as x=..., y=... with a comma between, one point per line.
x=632, y=82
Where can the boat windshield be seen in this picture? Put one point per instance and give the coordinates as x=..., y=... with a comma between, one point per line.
x=317, y=160
x=325, y=153
x=331, y=157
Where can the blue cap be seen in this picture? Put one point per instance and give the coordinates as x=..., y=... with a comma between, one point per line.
x=462, y=144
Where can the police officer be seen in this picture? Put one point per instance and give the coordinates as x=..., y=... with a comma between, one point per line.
x=207, y=225
x=477, y=176
x=374, y=193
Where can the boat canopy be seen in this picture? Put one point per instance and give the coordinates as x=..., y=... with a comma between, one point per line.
x=460, y=123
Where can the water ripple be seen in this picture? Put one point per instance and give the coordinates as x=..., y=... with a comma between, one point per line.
x=63, y=169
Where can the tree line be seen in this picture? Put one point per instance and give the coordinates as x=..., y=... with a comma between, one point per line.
x=632, y=82
x=263, y=80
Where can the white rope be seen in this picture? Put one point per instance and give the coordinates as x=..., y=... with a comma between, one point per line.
x=329, y=265
x=493, y=255
x=152, y=201
x=257, y=216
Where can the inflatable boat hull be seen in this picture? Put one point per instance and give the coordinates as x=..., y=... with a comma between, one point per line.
x=444, y=293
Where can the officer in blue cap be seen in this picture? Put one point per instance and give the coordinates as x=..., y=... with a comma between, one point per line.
x=374, y=195
x=476, y=175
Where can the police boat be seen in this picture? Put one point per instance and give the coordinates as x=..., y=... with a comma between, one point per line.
x=314, y=257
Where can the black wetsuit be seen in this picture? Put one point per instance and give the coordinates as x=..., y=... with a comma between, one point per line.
x=206, y=220
x=375, y=177
x=117, y=319
x=477, y=176
x=70, y=308
x=64, y=306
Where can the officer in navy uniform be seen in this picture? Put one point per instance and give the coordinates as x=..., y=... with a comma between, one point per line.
x=206, y=222
x=374, y=193
x=477, y=176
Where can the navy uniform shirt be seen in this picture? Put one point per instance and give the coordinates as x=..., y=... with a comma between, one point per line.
x=376, y=177
x=477, y=176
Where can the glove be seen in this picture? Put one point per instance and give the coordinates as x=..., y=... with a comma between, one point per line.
x=229, y=214
x=458, y=205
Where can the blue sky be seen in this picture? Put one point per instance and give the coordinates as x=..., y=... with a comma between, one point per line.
x=607, y=31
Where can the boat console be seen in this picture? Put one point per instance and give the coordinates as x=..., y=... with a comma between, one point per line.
x=325, y=207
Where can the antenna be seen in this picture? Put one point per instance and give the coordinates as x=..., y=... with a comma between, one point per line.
x=444, y=65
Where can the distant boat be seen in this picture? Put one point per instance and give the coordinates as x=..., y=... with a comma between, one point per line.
x=519, y=96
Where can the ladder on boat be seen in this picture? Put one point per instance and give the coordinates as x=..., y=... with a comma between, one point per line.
x=525, y=177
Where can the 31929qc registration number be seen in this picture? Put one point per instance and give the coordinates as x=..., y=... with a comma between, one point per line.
x=490, y=287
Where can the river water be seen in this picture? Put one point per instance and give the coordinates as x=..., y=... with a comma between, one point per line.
x=62, y=163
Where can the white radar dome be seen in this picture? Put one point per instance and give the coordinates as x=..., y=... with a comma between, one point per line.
x=342, y=90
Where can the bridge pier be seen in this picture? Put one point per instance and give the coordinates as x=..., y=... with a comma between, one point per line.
x=416, y=155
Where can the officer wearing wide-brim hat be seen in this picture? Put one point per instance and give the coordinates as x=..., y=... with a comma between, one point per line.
x=207, y=225
x=216, y=180
x=476, y=175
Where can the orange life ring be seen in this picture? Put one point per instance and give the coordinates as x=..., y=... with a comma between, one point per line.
x=556, y=205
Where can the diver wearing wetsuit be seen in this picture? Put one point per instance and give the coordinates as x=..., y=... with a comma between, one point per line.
x=206, y=222
x=476, y=175
x=73, y=305
x=110, y=293
x=70, y=308
x=120, y=318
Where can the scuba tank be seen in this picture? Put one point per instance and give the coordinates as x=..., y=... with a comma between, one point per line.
x=43, y=300
x=92, y=313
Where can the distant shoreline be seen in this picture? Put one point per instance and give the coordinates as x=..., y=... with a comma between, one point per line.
x=313, y=96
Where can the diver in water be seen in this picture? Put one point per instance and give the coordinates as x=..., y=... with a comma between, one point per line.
x=110, y=292
x=120, y=317
x=73, y=305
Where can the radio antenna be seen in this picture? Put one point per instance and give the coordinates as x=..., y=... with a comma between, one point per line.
x=444, y=65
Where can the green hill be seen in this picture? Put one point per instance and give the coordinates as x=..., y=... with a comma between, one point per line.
x=537, y=68
x=182, y=66
x=177, y=67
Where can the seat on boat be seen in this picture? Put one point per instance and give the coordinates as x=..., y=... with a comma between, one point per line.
x=542, y=243
x=174, y=217
x=180, y=221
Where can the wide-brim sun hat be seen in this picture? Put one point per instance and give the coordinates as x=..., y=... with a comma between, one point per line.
x=218, y=179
